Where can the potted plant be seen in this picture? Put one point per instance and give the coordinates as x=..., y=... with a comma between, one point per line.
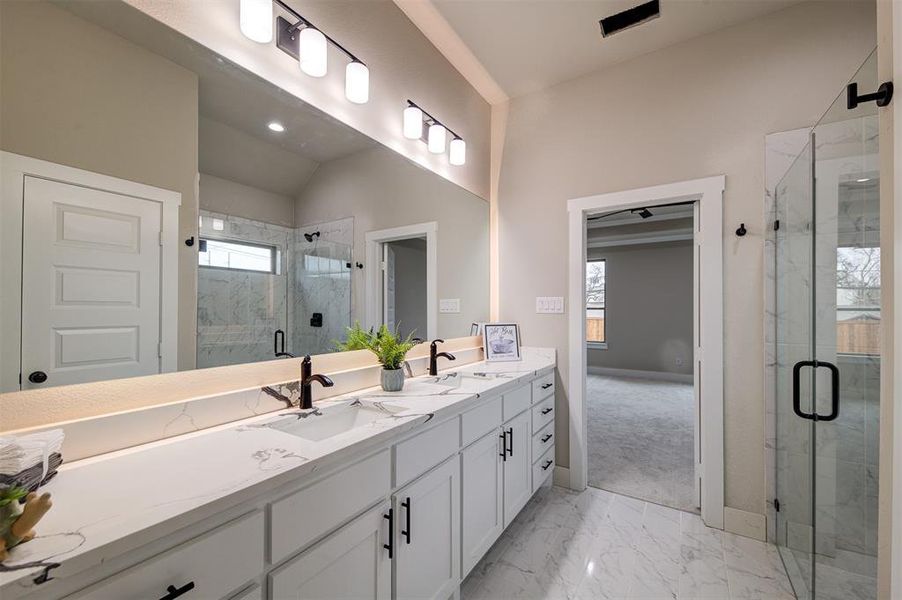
x=388, y=346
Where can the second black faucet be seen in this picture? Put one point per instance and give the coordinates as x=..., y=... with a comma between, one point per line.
x=434, y=355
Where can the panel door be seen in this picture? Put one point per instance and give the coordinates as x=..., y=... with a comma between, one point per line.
x=350, y=564
x=90, y=284
x=482, y=493
x=427, y=534
x=517, y=467
x=389, y=286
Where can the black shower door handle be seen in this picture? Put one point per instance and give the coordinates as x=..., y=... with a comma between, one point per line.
x=834, y=390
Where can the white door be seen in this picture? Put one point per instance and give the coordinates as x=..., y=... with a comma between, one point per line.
x=482, y=492
x=696, y=355
x=517, y=467
x=90, y=284
x=427, y=535
x=349, y=564
x=388, y=302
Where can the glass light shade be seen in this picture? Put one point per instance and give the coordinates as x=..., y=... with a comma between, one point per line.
x=255, y=20
x=457, y=152
x=413, y=123
x=357, y=82
x=314, y=58
x=437, y=134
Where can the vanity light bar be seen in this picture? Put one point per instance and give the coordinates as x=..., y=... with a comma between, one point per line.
x=414, y=118
x=305, y=42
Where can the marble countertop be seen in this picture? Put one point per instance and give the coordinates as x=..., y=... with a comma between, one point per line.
x=113, y=503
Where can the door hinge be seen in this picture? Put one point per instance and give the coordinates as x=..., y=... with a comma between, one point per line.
x=777, y=504
x=383, y=265
x=160, y=350
x=161, y=238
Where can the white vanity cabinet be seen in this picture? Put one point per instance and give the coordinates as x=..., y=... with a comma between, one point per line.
x=517, y=465
x=350, y=563
x=427, y=535
x=482, y=497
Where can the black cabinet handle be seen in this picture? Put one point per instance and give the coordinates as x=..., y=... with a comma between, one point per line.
x=503, y=437
x=510, y=449
x=173, y=592
x=391, y=533
x=547, y=410
x=545, y=386
x=834, y=390
x=547, y=464
x=406, y=532
x=546, y=438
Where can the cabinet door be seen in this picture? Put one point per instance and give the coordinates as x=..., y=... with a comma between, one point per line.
x=427, y=535
x=350, y=563
x=517, y=467
x=482, y=487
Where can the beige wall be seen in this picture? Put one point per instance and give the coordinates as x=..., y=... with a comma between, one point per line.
x=403, y=64
x=382, y=190
x=648, y=308
x=239, y=200
x=78, y=95
x=694, y=109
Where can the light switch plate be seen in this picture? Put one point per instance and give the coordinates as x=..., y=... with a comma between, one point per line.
x=549, y=305
x=449, y=305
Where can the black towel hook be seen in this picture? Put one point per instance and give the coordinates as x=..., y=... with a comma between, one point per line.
x=742, y=230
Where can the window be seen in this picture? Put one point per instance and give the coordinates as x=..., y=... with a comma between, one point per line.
x=858, y=300
x=595, y=313
x=240, y=256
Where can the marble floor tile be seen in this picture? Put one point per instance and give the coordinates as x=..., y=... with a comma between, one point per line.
x=599, y=545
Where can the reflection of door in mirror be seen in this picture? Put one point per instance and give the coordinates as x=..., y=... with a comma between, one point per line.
x=404, y=286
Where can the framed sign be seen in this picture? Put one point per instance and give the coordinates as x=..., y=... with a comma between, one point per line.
x=502, y=341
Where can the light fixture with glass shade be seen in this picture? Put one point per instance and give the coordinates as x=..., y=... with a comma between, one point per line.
x=357, y=82
x=413, y=122
x=437, y=135
x=457, y=152
x=255, y=20
x=313, y=50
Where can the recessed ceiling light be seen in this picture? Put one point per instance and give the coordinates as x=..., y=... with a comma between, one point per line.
x=863, y=180
x=276, y=126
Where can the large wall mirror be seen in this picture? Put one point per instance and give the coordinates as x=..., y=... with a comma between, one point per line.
x=167, y=210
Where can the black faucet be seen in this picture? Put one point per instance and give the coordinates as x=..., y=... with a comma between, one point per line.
x=307, y=379
x=433, y=356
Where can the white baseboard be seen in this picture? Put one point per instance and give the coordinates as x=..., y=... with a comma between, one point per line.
x=745, y=523
x=657, y=375
x=561, y=476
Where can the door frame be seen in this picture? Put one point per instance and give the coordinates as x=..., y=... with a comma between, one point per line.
x=13, y=170
x=374, y=241
x=708, y=352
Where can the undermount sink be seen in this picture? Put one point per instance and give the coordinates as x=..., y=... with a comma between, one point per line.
x=334, y=420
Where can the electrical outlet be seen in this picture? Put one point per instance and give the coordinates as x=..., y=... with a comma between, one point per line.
x=449, y=305
x=546, y=305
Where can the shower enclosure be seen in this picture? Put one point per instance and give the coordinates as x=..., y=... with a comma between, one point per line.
x=826, y=353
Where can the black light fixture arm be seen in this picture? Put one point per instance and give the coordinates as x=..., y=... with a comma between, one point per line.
x=883, y=96
x=431, y=118
x=303, y=22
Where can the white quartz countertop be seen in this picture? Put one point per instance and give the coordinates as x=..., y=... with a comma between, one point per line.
x=113, y=503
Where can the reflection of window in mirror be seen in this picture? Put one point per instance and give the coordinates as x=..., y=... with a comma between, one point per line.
x=595, y=309
x=240, y=256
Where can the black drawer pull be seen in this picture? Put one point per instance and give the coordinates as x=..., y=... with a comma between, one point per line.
x=547, y=410
x=406, y=532
x=174, y=592
x=391, y=533
x=503, y=437
x=545, y=386
x=547, y=464
x=546, y=438
x=510, y=449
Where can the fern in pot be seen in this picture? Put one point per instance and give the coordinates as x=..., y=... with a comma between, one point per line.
x=388, y=346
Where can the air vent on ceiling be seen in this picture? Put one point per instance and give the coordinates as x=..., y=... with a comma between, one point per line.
x=630, y=17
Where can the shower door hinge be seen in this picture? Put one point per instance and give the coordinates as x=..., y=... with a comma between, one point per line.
x=776, y=224
x=777, y=504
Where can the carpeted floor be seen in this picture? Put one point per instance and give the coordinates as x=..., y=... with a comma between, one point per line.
x=641, y=438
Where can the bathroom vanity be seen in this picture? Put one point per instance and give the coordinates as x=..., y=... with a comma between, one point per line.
x=371, y=494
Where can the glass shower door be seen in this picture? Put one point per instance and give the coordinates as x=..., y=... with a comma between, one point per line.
x=828, y=354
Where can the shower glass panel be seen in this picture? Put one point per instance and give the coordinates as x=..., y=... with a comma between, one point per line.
x=828, y=353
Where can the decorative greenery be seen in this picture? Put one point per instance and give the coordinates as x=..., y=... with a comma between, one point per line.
x=11, y=494
x=388, y=346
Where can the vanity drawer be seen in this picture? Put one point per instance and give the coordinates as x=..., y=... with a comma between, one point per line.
x=420, y=453
x=302, y=517
x=516, y=401
x=214, y=564
x=543, y=387
x=542, y=413
x=479, y=421
x=542, y=469
x=542, y=441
